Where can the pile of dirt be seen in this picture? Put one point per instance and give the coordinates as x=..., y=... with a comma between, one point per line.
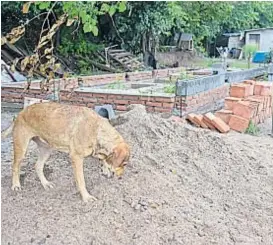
x=184, y=185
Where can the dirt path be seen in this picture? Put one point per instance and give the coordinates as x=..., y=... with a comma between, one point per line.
x=184, y=186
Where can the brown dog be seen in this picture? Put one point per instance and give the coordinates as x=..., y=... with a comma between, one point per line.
x=78, y=131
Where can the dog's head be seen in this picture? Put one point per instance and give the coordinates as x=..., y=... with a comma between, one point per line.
x=119, y=158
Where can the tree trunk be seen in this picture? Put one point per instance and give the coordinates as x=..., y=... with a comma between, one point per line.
x=144, y=45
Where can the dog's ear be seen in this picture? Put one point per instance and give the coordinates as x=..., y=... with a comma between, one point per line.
x=120, y=155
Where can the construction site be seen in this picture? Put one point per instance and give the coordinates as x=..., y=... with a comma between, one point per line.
x=200, y=135
x=194, y=175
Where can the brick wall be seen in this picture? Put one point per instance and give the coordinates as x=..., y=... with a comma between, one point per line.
x=72, y=82
x=120, y=102
x=202, y=102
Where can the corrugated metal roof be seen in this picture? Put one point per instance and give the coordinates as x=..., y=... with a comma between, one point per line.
x=232, y=34
x=186, y=37
x=259, y=29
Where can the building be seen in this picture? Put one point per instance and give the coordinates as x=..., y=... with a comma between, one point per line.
x=262, y=37
x=234, y=40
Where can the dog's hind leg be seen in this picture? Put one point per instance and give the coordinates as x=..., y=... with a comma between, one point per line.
x=45, y=152
x=21, y=139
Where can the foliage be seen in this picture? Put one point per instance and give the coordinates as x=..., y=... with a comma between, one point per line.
x=79, y=45
x=135, y=26
x=116, y=85
x=185, y=76
x=252, y=129
x=42, y=60
x=248, y=15
x=169, y=88
x=249, y=50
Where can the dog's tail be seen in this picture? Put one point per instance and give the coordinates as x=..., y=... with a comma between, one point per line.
x=8, y=131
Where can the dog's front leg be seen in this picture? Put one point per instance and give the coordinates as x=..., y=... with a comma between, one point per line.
x=77, y=164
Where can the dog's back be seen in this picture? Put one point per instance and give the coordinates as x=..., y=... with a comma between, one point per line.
x=58, y=124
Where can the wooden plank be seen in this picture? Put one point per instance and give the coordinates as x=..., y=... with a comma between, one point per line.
x=122, y=55
x=116, y=50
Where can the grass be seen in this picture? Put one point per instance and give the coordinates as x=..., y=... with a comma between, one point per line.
x=233, y=63
x=116, y=85
x=252, y=129
x=169, y=89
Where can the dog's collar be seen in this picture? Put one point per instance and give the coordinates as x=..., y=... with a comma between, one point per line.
x=108, y=157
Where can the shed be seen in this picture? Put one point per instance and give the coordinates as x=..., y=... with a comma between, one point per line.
x=234, y=40
x=185, y=41
x=262, y=37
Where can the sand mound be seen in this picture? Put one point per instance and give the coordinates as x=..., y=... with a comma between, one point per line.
x=184, y=186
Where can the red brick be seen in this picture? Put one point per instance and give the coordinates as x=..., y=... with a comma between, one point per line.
x=190, y=117
x=84, y=94
x=17, y=95
x=263, y=88
x=114, y=96
x=89, y=99
x=267, y=90
x=224, y=115
x=35, y=91
x=168, y=105
x=156, y=104
x=121, y=108
x=255, y=120
x=238, y=123
x=138, y=102
x=244, y=109
x=164, y=99
x=121, y=102
x=104, y=101
x=146, y=98
x=230, y=101
x=99, y=95
x=220, y=125
x=207, y=119
x=200, y=120
x=130, y=97
x=240, y=90
x=217, y=122
x=159, y=109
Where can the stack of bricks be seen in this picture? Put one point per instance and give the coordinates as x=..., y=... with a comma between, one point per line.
x=249, y=101
x=208, y=121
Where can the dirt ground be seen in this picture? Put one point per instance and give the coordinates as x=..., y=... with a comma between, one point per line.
x=184, y=186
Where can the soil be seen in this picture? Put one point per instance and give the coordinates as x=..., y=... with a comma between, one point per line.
x=184, y=185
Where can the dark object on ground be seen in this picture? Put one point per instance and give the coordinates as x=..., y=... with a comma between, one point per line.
x=127, y=78
x=152, y=61
x=176, y=64
x=105, y=111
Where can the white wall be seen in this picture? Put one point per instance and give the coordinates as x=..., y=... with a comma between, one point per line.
x=234, y=42
x=266, y=39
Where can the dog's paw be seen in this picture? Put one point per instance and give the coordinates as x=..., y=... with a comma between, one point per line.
x=89, y=198
x=48, y=185
x=16, y=187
